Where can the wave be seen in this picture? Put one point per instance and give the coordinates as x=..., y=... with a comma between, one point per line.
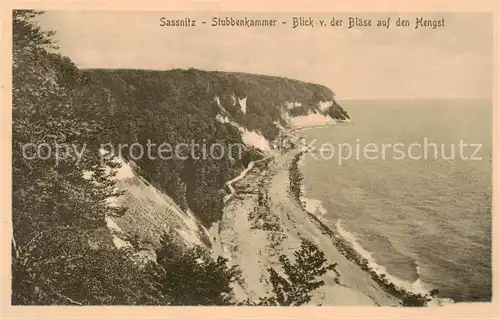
x=417, y=287
x=314, y=206
x=350, y=247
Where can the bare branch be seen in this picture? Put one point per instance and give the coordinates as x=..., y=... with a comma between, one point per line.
x=69, y=299
x=15, y=247
x=33, y=239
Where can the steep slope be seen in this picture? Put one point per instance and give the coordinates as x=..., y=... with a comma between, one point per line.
x=149, y=214
x=185, y=106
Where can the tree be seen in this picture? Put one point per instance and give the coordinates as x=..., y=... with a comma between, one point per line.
x=418, y=300
x=415, y=300
x=62, y=252
x=302, y=277
x=189, y=276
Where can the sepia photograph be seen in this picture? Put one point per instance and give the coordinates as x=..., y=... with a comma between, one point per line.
x=171, y=158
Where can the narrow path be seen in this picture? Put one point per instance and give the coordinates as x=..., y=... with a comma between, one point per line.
x=214, y=231
x=242, y=175
x=229, y=183
x=218, y=247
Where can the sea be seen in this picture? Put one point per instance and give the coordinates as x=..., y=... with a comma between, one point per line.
x=421, y=210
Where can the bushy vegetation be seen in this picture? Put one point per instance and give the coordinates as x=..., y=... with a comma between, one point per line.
x=294, y=284
x=61, y=249
x=296, y=180
x=302, y=276
x=418, y=300
x=261, y=216
x=191, y=277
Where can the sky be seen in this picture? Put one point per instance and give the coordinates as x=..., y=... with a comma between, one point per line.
x=453, y=61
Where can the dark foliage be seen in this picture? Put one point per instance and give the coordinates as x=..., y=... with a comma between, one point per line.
x=61, y=250
x=302, y=276
x=191, y=277
x=298, y=279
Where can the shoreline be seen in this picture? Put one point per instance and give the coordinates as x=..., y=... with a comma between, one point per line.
x=296, y=188
x=255, y=248
x=233, y=233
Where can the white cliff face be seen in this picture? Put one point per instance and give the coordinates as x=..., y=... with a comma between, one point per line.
x=316, y=118
x=256, y=140
x=150, y=212
x=125, y=171
x=291, y=104
x=313, y=119
x=223, y=119
x=116, y=232
x=249, y=137
x=243, y=104
x=325, y=105
x=233, y=99
x=217, y=100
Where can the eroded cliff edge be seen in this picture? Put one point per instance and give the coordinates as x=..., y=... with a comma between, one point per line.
x=195, y=107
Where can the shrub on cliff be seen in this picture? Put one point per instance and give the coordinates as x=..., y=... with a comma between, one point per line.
x=415, y=300
x=298, y=279
x=418, y=300
x=301, y=277
x=191, y=277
